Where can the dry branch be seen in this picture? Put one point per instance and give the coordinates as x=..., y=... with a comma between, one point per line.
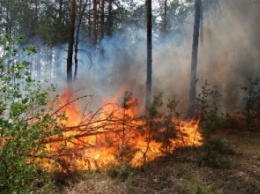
x=70, y=102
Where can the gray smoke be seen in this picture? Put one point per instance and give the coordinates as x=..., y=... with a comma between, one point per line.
x=228, y=56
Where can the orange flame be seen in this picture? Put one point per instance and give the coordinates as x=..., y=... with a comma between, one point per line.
x=111, y=135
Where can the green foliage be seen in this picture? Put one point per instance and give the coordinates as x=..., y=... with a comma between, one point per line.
x=217, y=150
x=168, y=129
x=231, y=122
x=207, y=100
x=208, y=110
x=127, y=100
x=218, y=145
x=54, y=23
x=251, y=102
x=125, y=152
x=202, y=190
x=160, y=121
x=217, y=153
x=24, y=121
x=157, y=124
x=121, y=172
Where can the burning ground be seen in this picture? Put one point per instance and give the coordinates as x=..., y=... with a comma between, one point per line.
x=117, y=133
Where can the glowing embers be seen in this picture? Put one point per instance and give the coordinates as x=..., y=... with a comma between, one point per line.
x=114, y=134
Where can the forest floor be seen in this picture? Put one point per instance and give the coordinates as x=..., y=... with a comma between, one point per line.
x=183, y=172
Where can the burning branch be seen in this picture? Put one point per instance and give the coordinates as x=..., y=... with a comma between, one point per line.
x=68, y=103
x=114, y=134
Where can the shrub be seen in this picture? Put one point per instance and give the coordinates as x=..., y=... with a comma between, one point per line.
x=23, y=121
x=251, y=101
x=208, y=109
x=159, y=124
x=121, y=172
x=217, y=153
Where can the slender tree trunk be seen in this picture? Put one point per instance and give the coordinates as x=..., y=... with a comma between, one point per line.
x=201, y=24
x=52, y=66
x=149, y=54
x=94, y=22
x=36, y=18
x=60, y=9
x=71, y=40
x=60, y=19
x=77, y=37
x=102, y=28
x=8, y=27
x=165, y=24
x=89, y=26
x=110, y=18
x=194, y=59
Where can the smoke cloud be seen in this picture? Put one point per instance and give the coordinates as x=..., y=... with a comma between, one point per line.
x=228, y=56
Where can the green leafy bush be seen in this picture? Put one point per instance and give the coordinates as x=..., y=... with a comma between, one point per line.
x=25, y=123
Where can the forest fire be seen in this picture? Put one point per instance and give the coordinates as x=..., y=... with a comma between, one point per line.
x=116, y=134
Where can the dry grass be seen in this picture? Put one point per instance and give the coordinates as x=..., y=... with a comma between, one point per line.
x=183, y=173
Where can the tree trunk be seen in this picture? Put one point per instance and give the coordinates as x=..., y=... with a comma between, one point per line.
x=201, y=24
x=36, y=18
x=77, y=37
x=110, y=18
x=165, y=24
x=60, y=10
x=8, y=27
x=71, y=40
x=149, y=53
x=89, y=26
x=194, y=60
x=102, y=28
x=94, y=22
x=60, y=20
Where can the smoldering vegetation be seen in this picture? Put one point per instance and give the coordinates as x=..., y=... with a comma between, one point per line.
x=228, y=57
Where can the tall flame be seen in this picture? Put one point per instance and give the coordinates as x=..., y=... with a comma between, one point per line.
x=111, y=135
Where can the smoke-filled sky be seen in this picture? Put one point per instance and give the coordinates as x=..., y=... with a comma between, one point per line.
x=228, y=55
x=230, y=52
